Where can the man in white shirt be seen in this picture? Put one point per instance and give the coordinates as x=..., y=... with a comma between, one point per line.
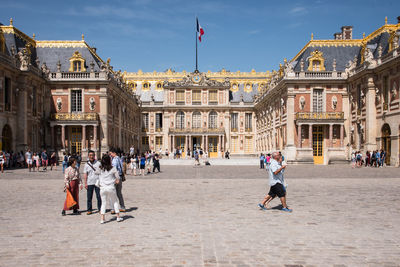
x=276, y=181
x=91, y=175
x=28, y=157
x=132, y=151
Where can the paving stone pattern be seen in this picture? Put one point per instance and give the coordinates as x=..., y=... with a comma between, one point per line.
x=207, y=216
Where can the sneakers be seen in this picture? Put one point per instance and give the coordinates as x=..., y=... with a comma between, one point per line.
x=262, y=207
x=89, y=213
x=63, y=213
x=101, y=222
x=287, y=210
x=122, y=210
x=120, y=219
x=113, y=212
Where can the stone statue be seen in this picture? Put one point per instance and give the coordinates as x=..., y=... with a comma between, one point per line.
x=92, y=104
x=59, y=104
x=334, y=65
x=302, y=65
x=288, y=69
x=45, y=70
x=24, y=59
x=369, y=60
x=302, y=102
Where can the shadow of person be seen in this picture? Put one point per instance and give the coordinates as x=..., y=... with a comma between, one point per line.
x=279, y=207
x=131, y=209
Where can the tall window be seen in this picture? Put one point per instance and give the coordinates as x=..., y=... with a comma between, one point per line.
x=234, y=122
x=196, y=97
x=196, y=120
x=159, y=122
x=213, y=97
x=318, y=101
x=248, y=122
x=76, y=101
x=386, y=90
x=180, y=97
x=212, y=118
x=7, y=94
x=145, y=122
x=180, y=120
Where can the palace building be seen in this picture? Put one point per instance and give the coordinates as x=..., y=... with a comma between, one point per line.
x=62, y=96
x=332, y=98
x=213, y=110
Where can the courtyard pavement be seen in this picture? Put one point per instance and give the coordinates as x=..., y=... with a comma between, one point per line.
x=208, y=216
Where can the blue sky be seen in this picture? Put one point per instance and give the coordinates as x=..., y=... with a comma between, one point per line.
x=157, y=35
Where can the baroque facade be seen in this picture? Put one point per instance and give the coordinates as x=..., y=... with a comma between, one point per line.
x=334, y=97
x=211, y=110
x=62, y=96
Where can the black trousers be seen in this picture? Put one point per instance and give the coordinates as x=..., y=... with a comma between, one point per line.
x=261, y=164
x=90, y=190
x=156, y=165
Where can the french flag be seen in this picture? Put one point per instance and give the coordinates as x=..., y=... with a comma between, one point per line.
x=199, y=29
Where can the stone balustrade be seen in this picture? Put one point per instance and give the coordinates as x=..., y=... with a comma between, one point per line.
x=81, y=116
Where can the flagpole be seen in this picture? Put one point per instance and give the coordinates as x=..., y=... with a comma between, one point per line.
x=195, y=36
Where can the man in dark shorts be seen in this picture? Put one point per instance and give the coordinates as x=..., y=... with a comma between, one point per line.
x=276, y=181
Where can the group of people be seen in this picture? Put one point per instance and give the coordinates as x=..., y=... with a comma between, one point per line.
x=370, y=159
x=31, y=160
x=104, y=178
x=265, y=159
x=142, y=162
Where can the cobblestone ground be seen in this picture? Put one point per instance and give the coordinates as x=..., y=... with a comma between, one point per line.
x=207, y=216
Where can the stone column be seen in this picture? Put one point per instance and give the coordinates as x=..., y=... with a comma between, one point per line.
x=52, y=136
x=63, y=136
x=299, y=135
x=290, y=129
x=370, y=127
x=202, y=143
x=219, y=144
x=95, y=137
x=83, y=137
x=310, y=137
x=341, y=134
x=330, y=135
x=173, y=143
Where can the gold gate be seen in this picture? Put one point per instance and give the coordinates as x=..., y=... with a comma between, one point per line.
x=318, y=140
x=76, y=140
x=213, y=146
x=180, y=143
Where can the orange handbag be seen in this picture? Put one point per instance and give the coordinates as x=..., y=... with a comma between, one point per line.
x=70, y=200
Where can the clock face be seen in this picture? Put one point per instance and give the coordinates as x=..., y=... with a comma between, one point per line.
x=196, y=78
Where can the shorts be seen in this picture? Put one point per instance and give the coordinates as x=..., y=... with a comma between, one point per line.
x=45, y=162
x=29, y=161
x=277, y=190
x=142, y=166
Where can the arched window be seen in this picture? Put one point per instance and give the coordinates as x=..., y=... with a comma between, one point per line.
x=159, y=86
x=196, y=120
x=77, y=63
x=180, y=120
x=146, y=86
x=212, y=119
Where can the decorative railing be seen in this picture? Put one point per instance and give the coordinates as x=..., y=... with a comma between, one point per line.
x=197, y=130
x=319, y=74
x=75, y=75
x=319, y=116
x=75, y=116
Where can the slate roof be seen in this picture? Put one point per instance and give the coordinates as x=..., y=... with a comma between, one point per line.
x=235, y=97
x=342, y=54
x=145, y=95
x=51, y=55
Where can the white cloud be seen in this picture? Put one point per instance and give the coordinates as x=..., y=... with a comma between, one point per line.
x=299, y=10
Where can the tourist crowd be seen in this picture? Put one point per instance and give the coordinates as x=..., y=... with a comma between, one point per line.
x=370, y=159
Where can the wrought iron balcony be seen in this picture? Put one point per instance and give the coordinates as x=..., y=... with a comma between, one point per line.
x=319, y=116
x=63, y=116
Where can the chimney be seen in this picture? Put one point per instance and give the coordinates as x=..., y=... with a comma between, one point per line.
x=94, y=49
x=337, y=36
x=347, y=32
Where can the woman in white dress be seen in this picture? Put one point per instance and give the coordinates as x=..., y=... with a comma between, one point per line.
x=108, y=178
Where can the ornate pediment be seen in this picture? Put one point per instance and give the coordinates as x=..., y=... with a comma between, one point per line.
x=197, y=79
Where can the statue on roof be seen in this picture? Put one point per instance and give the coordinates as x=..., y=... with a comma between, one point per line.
x=369, y=60
x=24, y=58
